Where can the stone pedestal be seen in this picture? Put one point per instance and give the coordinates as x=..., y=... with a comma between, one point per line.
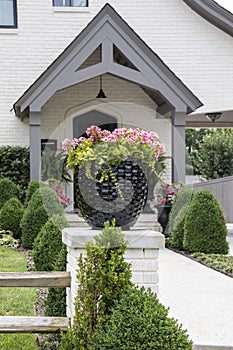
x=142, y=253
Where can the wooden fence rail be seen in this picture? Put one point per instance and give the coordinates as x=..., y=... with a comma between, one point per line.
x=31, y=324
x=35, y=279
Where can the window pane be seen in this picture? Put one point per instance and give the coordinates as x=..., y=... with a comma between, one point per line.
x=61, y=3
x=6, y=13
x=78, y=3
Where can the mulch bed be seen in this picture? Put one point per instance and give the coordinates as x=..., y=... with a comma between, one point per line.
x=187, y=254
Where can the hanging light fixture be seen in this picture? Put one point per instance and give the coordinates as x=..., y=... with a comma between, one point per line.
x=101, y=93
x=213, y=116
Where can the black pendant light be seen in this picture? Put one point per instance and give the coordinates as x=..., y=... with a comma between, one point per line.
x=101, y=93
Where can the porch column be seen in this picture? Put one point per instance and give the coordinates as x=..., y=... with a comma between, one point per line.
x=178, y=146
x=35, y=145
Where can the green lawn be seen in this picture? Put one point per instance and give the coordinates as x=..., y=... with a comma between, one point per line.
x=16, y=301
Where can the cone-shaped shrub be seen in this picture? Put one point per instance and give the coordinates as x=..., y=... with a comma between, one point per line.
x=177, y=235
x=10, y=217
x=32, y=188
x=56, y=301
x=138, y=321
x=48, y=243
x=182, y=199
x=8, y=190
x=43, y=204
x=205, y=226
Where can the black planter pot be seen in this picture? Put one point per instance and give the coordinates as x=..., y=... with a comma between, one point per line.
x=100, y=201
x=163, y=218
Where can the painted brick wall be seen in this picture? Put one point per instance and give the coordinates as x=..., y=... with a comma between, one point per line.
x=199, y=53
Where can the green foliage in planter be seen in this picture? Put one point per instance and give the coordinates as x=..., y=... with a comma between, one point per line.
x=177, y=235
x=8, y=189
x=10, y=217
x=182, y=199
x=205, y=226
x=138, y=321
x=48, y=243
x=56, y=300
x=43, y=204
x=15, y=165
x=103, y=276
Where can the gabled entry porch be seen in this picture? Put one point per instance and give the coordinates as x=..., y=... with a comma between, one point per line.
x=140, y=89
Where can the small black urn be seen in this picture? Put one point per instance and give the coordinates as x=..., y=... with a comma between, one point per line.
x=163, y=217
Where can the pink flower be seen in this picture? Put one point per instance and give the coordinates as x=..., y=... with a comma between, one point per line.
x=92, y=139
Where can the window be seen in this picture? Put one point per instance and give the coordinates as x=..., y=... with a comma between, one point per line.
x=8, y=14
x=71, y=3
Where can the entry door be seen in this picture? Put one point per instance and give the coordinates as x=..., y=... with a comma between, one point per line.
x=84, y=121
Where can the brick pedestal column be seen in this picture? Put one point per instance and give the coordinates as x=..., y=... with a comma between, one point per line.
x=142, y=252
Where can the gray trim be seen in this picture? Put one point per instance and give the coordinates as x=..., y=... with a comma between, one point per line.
x=178, y=147
x=163, y=109
x=35, y=145
x=213, y=13
x=108, y=24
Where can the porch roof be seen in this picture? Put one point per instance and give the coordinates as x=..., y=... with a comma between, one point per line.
x=145, y=68
x=213, y=13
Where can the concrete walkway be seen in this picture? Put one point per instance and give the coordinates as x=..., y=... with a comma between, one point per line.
x=199, y=298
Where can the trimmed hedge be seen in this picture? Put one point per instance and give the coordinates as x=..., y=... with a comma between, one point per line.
x=48, y=243
x=32, y=187
x=205, y=225
x=10, y=217
x=8, y=190
x=177, y=235
x=15, y=165
x=138, y=321
x=55, y=304
x=43, y=204
x=182, y=199
x=103, y=275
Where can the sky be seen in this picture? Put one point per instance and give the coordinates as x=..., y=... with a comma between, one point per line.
x=228, y=4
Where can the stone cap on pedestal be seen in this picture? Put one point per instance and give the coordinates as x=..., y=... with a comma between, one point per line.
x=75, y=237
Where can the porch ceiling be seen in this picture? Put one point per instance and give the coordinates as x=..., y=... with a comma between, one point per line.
x=123, y=54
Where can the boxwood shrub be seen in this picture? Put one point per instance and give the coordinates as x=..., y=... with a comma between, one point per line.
x=43, y=204
x=55, y=304
x=177, y=234
x=32, y=187
x=182, y=199
x=10, y=217
x=138, y=321
x=205, y=225
x=8, y=189
x=48, y=243
x=103, y=275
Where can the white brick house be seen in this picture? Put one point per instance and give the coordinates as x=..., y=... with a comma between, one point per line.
x=160, y=61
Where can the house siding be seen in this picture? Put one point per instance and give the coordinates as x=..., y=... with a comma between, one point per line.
x=196, y=51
